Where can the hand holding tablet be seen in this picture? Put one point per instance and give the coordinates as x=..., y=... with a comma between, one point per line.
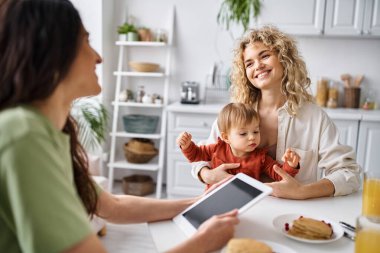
x=240, y=192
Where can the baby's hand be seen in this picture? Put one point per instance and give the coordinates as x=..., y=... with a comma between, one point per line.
x=184, y=140
x=291, y=157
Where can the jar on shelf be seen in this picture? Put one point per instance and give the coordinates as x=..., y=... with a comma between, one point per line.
x=140, y=94
x=322, y=92
x=157, y=99
x=147, y=99
x=125, y=95
x=332, y=102
x=369, y=103
x=160, y=35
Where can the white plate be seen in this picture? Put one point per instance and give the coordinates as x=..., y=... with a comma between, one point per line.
x=279, y=224
x=276, y=247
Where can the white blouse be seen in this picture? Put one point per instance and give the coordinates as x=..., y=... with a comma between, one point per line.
x=313, y=135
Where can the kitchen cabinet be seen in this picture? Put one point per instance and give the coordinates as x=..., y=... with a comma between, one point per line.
x=344, y=17
x=323, y=17
x=371, y=24
x=131, y=78
x=352, y=17
x=286, y=15
x=358, y=128
x=197, y=120
x=369, y=141
x=179, y=180
x=347, y=123
x=348, y=132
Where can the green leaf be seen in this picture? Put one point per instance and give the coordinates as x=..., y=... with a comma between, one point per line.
x=126, y=28
x=92, y=119
x=238, y=11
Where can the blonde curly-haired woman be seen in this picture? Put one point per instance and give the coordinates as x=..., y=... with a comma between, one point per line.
x=269, y=74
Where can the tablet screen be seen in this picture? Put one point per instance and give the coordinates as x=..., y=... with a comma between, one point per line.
x=233, y=196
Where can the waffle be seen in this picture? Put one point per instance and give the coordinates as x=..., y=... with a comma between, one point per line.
x=247, y=245
x=311, y=229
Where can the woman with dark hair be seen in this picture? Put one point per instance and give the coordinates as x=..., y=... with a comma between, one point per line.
x=46, y=193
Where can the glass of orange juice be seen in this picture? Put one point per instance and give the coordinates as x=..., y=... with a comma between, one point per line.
x=367, y=238
x=371, y=193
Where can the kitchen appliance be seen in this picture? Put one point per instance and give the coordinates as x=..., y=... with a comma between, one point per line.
x=190, y=92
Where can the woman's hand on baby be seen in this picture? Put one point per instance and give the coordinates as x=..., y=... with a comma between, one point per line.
x=291, y=157
x=212, y=176
x=184, y=140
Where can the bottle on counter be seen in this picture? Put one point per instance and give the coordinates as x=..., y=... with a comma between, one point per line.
x=140, y=94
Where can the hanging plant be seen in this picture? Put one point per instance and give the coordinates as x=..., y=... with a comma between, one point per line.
x=238, y=11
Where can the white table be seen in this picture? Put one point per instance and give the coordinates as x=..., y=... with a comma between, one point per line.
x=257, y=223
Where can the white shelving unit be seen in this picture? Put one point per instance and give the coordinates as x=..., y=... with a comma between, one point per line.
x=156, y=164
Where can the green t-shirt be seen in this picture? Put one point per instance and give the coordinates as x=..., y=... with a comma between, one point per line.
x=40, y=210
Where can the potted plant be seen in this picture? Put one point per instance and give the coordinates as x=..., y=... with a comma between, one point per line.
x=92, y=119
x=129, y=31
x=239, y=12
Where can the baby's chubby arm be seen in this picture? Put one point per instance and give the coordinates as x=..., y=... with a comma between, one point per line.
x=184, y=140
x=291, y=157
x=193, y=152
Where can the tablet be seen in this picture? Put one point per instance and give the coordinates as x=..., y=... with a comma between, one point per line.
x=240, y=192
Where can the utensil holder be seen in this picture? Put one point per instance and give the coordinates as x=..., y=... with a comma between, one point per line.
x=352, y=97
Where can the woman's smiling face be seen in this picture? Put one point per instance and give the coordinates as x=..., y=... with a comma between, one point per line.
x=81, y=79
x=262, y=66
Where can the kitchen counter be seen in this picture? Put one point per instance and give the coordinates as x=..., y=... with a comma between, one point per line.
x=201, y=108
x=338, y=113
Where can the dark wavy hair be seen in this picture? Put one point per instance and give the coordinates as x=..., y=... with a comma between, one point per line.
x=39, y=40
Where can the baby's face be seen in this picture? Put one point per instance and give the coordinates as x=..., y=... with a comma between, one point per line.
x=244, y=139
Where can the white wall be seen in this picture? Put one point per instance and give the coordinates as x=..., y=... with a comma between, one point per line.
x=92, y=18
x=331, y=57
x=199, y=42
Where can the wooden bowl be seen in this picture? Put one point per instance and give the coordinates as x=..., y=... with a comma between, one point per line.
x=143, y=66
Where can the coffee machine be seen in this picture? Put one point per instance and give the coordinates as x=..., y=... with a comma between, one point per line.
x=190, y=92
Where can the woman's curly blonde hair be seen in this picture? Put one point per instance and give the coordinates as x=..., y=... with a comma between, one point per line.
x=295, y=82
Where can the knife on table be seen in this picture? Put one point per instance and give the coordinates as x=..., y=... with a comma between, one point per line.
x=349, y=230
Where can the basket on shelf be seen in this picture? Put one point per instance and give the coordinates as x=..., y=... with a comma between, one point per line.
x=143, y=124
x=138, y=185
x=143, y=66
x=139, y=150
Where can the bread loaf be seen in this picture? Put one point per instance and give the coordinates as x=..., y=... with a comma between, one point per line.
x=247, y=245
